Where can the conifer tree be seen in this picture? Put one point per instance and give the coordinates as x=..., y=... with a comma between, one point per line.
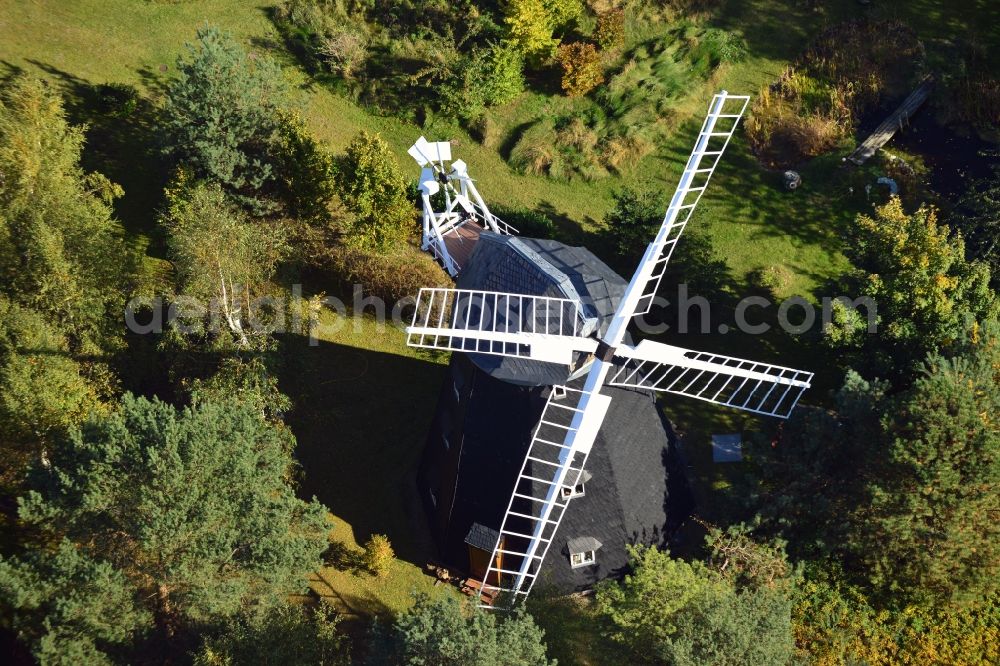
x=61, y=252
x=192, y=507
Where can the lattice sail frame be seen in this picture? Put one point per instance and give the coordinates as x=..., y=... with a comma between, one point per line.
x=552, y=329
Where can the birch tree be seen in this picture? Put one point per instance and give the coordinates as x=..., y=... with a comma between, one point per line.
x=222, y=258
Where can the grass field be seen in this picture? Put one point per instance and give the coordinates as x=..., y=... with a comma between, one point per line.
x=753, y=222
x=363, y=400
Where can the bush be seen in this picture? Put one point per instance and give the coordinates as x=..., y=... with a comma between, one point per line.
x=817, y=101
x=118, y=100
x=389, y=276
x=622, y=153
x=527, y=221
x=489, y=77
x=772, y=279
x=535, y=152
x=344, y=50
x=289, y=633
x=486, y=131
x=447, y=633
x=581, y=68
x=372, y=187
x=378, y=554
x=610, y=32
x=782, y=132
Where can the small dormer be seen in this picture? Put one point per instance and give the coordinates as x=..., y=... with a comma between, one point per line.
x=578, y=487
x=583, y=551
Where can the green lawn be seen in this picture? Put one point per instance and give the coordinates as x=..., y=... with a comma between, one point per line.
x=363, y=402
x=753, y=222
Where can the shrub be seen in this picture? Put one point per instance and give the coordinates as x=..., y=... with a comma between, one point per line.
x=610, y=32
x=782, y=132
x=489, y=77
x=344, y=50
x=372, y=187
x=528, y=221
x=389, y=276
x=817, y=101
x=503, y=69
x=444, y=632
x=772, y=279
x=581, y=68
x=535, y=153
x=486, y=131
x=530, y=26
x=378, y=554
x=118, y=100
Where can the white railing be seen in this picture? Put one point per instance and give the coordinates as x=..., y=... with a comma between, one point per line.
x=502, y=227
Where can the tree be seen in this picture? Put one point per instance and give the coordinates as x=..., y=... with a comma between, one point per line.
x=221, y=257
x=922, y=284
x=814, y=476
x=43, y=393
x=289, y=633
x=227, y=119
x=374, y=190
x=222, y=117
x=192, y=507
x=933, y=534
x=61, y=252
x=306, y=171
x=69, y=608
x=443, y=633
x=581, y=68
x=634, y=218
x=529, y=25
x=677, y=612
x=632, y=224
x=977, y=216
x=489, y=77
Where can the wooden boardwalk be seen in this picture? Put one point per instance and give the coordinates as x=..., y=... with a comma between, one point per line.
x=892, y=124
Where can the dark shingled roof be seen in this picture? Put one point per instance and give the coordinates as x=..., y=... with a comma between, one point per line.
x=541, y=267
x=625, y=498
x=482, y=537
x=582, y=544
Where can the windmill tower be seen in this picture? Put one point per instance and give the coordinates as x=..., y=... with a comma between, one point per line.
x=560, y=329
x=450, y=234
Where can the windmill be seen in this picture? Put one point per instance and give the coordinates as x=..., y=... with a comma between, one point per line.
x=463, y=203
x=561, y=330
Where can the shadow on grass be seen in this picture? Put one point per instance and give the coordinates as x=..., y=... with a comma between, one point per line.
x=125, y=147
x=360, y=418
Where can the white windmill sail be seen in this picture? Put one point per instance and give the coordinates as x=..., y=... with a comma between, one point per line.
x=761, y=388
x=544, y=328
x=553, y=329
